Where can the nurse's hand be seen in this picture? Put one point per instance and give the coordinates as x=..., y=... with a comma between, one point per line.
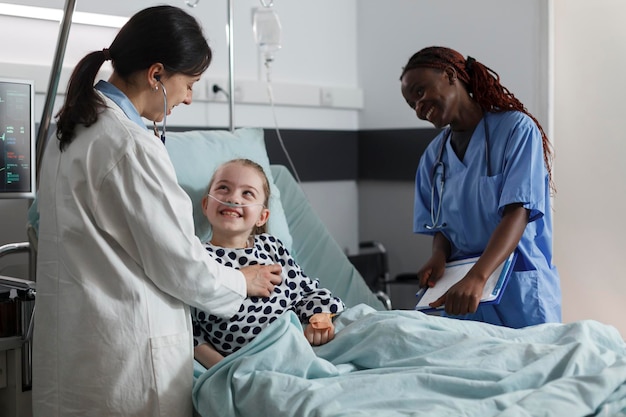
x=463, y=297
x=261, y=279
x=432, y=270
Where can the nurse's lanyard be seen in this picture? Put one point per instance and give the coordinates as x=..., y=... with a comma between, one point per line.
x=440, y=167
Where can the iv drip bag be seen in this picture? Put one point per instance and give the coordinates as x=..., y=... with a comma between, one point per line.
x=267, y=30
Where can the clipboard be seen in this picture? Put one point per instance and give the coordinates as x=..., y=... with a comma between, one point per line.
x=455, y=271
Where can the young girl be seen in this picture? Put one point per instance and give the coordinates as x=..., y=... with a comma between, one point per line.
x=236, y=207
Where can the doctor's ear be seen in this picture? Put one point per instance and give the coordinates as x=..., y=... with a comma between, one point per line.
x=155, y=72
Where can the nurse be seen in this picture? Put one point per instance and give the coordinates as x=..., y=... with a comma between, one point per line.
x=483, y=186
x=118, y=261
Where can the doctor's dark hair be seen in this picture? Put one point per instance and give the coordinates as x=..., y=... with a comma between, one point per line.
x=483, y=85
x=160, y=34
x=266, y=186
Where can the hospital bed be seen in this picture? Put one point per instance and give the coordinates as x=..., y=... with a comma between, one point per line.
x=388, y=363
x=381, y=362
x=196, y=154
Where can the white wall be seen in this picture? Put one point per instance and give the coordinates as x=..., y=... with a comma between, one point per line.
x=318, y=52
x=362, y=44
x=590, y=226
x=582, y=112
x=507, y=35
x=304, y=60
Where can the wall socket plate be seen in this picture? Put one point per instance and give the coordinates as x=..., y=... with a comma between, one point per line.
x=326, y=97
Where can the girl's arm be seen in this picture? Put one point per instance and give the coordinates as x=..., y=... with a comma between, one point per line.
x=311, y=297
x=464, y=296
x=315, y=303
x=207, y=355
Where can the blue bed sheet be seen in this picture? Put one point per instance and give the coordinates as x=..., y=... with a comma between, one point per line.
x=406, y=363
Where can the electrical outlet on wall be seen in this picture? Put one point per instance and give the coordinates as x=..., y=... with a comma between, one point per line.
x=239, y=96
x=326, y=97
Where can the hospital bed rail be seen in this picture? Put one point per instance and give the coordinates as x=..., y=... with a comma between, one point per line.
x=25, y=295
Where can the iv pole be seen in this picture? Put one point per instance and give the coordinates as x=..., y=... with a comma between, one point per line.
x=231, y=62
x=53, y=84
x=231, y=69
x=55, y=75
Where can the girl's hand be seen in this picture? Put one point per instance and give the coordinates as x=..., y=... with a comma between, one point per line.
x=320, y=329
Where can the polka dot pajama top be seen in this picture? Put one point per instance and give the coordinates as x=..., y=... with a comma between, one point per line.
x=296, y=292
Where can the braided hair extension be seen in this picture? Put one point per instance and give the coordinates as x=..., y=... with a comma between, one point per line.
x=483, y=85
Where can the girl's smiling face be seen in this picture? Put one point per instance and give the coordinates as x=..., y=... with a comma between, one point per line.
x=235, y=183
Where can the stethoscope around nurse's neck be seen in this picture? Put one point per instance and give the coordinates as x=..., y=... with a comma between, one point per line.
x=435, y=215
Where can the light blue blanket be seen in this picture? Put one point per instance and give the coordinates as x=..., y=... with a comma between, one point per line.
x=405, y=363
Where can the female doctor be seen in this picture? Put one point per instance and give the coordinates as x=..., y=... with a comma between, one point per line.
x=118, y=260
x=483, y=186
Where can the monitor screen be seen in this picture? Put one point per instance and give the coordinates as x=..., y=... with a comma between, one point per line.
x=17, y=138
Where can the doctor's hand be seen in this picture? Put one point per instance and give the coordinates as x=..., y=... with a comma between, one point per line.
x=463, y=297
x=261, y=279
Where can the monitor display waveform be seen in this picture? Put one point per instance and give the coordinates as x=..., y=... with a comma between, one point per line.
x=17, y=139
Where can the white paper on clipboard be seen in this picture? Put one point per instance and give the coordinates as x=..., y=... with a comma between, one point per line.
x=456, y=270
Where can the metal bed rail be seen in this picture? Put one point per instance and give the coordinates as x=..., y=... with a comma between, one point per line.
x=26, y=294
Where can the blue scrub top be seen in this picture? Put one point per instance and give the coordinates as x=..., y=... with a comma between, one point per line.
x=472, y=204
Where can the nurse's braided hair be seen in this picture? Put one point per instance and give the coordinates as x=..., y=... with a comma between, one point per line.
x=160, y=34
x=483, y=85
x=266, y=186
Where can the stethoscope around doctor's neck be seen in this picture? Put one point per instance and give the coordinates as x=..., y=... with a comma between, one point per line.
x=435, y=215
x=156, y=130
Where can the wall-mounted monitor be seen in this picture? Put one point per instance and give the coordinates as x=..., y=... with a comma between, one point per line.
x=17, y=138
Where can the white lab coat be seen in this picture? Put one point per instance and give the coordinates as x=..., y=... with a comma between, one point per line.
x=118, y=262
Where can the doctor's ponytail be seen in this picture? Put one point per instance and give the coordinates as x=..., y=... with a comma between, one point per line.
x=82, y=103
x=160, y=34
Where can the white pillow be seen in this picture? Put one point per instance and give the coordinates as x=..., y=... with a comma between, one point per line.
x=197, y=154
